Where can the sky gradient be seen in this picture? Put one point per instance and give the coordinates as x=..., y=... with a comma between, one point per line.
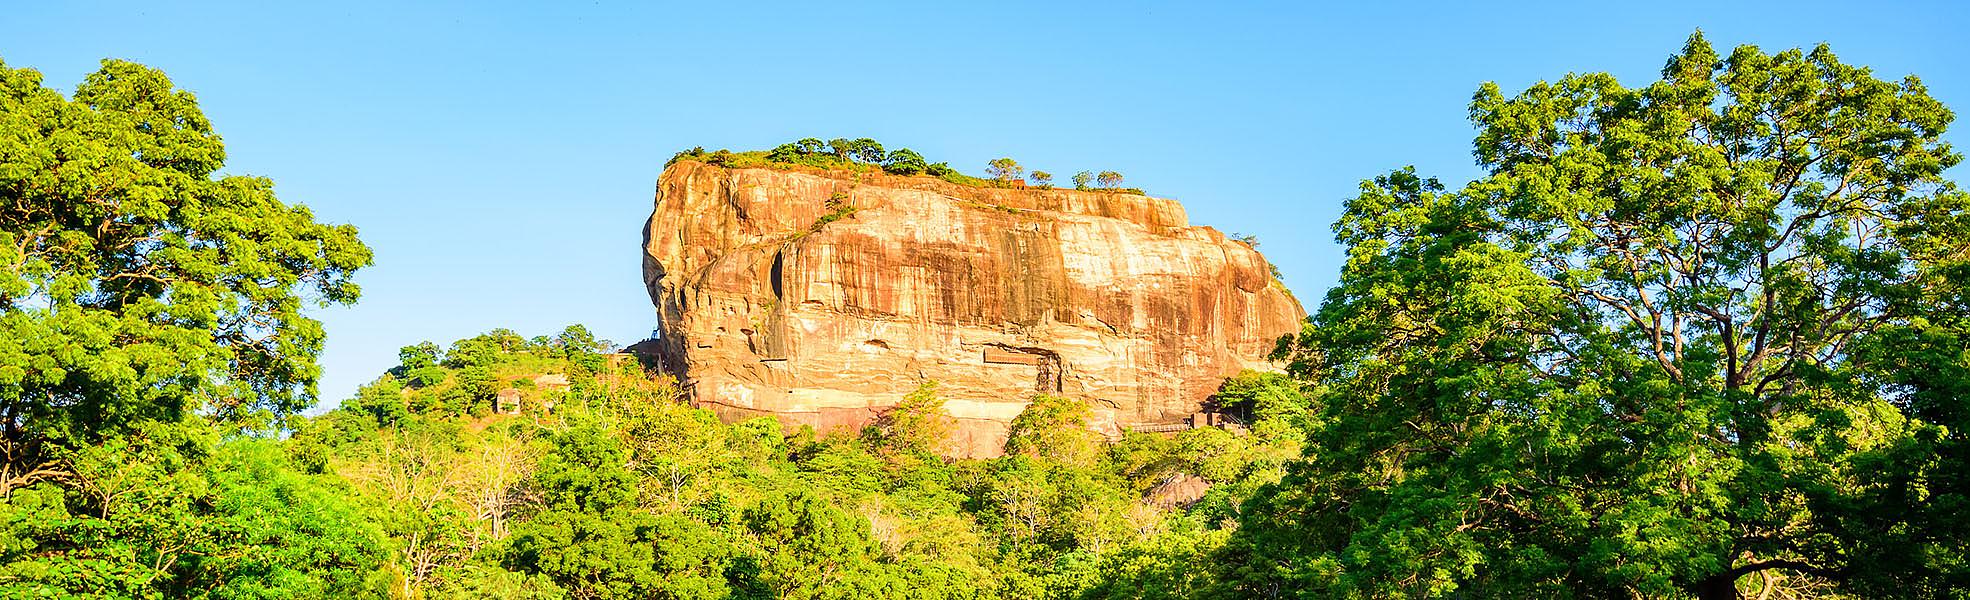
x=501, y=159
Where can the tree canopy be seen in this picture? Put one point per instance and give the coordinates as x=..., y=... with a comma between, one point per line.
x=619, y=491
x=1706, y=337
x=1702, y=335
x=148, y=307
x=1004, y=169
x=139, y=286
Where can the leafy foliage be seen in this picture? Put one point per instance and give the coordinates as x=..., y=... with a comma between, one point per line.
x=150, y=324
x=1706, y=337
x=917, y=424
x=1663, y=347
x=864, y=155
x=904, y=161
x=618, y=492
x=140, y=287
x=1004, y=170
x=1054, y=428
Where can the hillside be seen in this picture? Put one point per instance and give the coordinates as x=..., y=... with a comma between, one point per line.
x=610, y=489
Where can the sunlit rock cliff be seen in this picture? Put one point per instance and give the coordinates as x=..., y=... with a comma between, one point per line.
x=822, y=298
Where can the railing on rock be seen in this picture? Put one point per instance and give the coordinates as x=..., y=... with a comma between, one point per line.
x=1160, y=427
x=1202, y=419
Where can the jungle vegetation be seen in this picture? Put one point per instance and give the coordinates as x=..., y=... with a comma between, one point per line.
x=1706, y=337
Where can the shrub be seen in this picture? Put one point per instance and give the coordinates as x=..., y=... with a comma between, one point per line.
x=785, y=153
x=904, y=161
x=863, y=155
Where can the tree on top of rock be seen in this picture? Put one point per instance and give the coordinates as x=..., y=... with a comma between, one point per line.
x=859, y=149
x=1004, y=170
x=904, y=161
x=868, y=151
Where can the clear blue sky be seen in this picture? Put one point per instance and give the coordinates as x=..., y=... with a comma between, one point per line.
x=501, y=159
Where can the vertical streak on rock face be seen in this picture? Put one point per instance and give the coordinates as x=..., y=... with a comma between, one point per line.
x=995, y=294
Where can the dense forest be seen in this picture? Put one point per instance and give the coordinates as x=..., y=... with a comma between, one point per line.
x=1706, y=337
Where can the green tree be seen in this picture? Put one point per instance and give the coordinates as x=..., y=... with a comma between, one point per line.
x=784, y=153
x=1040, y=178
x=1003, y=169
x=917, y=424
x=1108, y=179
x=904, y=161
x=577, y=338
x=427, y=376
x=424, y=354
x=868, y=151
x=484, y=582
x=859, y=149
x=1164, y=567
x=1262, y=398
x=381, y=400
x=163, y=513
x=148, y=307
x=1665, y=346
x=1019, y=501
x=1055, y=428
x=580, y=346
x=472, y=352
x=141, y=287
x=594, y=541
x=809, y=547
x=1082, y=179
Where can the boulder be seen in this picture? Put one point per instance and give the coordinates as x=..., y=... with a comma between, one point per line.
x=821, y=298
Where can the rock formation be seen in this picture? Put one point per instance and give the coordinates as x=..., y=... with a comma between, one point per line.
x=822, y=298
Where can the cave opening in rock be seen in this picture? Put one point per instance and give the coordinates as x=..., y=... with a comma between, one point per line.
x=1047, y=372
x=773, y=274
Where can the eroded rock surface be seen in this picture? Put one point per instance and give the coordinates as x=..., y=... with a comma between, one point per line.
x=823, y=298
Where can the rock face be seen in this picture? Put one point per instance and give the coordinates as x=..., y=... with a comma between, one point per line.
x=822, y=298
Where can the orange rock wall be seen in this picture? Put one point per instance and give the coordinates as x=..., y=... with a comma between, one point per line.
x=995, y=294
